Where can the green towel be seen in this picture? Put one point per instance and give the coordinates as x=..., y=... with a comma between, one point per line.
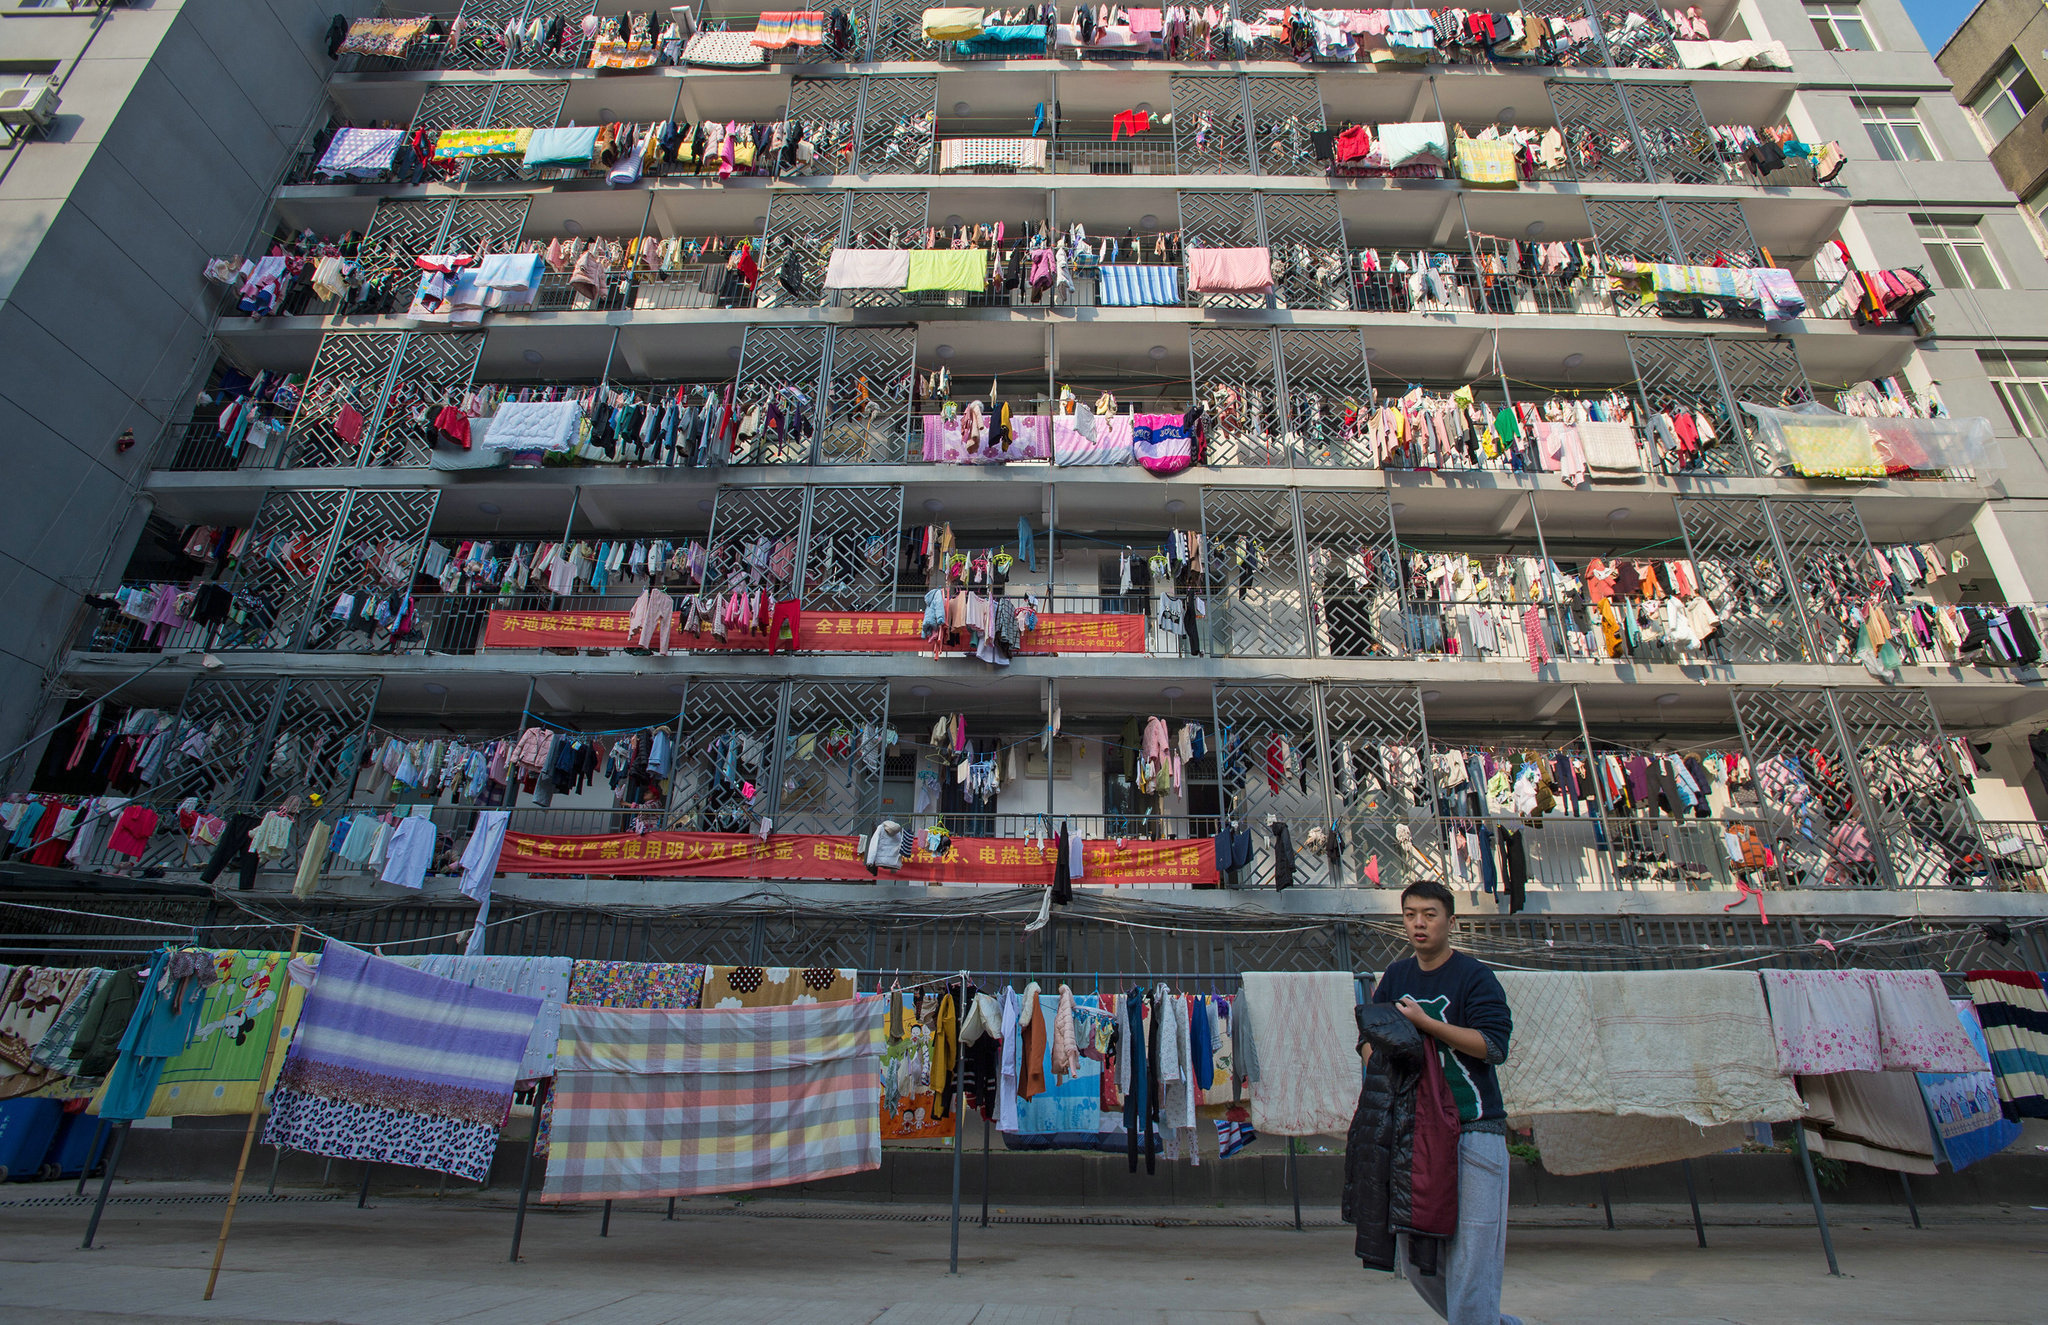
x=948, y=269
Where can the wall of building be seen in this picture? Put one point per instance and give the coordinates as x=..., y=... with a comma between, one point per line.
x=1976, y=51
x=175, y=123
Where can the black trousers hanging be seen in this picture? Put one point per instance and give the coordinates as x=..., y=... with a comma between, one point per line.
x=233, y=848
x=1514, y=867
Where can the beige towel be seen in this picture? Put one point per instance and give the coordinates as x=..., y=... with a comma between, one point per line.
x=1554, y=1064
x=1307, y=1038
x=1876, y=1118
x=1589, y=1143
x=1695, y=1045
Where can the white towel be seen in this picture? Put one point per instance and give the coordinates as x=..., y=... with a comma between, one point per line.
x=1610, y=448
x=867, y=269
x=1309, y=1072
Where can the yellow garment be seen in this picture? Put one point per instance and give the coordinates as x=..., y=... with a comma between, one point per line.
x=483, y=142
x=310, y=861
x=1835, y=449
x=218, y=1071
x=1487, y=161
x=953, y=24
x=945, y=1049
x=948, y=269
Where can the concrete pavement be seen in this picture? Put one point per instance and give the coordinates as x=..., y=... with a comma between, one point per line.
x=422, y=1261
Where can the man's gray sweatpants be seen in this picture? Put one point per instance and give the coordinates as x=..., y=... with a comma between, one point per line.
x=1466, y=1289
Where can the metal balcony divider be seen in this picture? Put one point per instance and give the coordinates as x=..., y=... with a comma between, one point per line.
x=1731, y=537
x=1680, y=372
x=1258, y=598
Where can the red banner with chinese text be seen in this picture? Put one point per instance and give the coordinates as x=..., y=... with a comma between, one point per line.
x=823, y=632
x=834, y=859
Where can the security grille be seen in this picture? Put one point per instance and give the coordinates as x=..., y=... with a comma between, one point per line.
x=570, y=54
x=1677, y=374
x=1804, y=785
x=400, y=230
x=1326, y=378
x=1209, y=125
x=1254, y=572
x=517, y=105
x=350, y=372
x=485, y=225
x=725, y=745
x=433, y=368
x=316, y=746
x=1712, y=234
x=1632, y=44
x=899, y=32
x=778, y=365
x=1761, y=372
x=1597, y=139
x=482, y=21
x=742, y=518
x=829, y=110
x=1730, y=544
x=1671, y=131
x=1354, y=574
x=1306, y=237
x=1381, y=782
x=882, y=220
x=850, y=546
x=866, y=419
x=1284, y=112
x=834, y=737
x=1630, y=229
x=1223, y=220
x=213, y=749
x=282, y=564
x=1270, y=764
x=382, y=535
x=810, y=224
x=1914, y=799
x=1829, y=556
x=898, y=114
x=1237, y=384
x=1580, y=53
x=452, y=106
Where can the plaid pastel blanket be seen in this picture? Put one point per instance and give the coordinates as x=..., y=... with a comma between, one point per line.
x=396, y=1066
x=661, y=1102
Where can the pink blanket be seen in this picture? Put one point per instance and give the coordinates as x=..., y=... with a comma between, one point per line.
x=1230, y=270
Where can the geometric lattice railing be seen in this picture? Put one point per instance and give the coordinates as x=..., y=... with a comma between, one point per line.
x=1733, y=551
x=1254, y=574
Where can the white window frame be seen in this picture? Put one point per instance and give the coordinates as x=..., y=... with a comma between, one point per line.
x=1827, y=16
x=1890, y=116
x=1999, y=89
x=1954, y=233
x=2025, y=397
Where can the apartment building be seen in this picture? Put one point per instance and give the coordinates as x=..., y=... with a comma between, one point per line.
x=1576, y=452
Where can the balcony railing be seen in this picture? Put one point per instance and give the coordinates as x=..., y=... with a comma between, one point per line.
x=1557, y=852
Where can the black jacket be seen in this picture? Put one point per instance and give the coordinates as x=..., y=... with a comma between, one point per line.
x=1379, y=1146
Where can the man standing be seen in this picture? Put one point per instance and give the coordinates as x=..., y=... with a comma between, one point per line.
x=1458, y=1002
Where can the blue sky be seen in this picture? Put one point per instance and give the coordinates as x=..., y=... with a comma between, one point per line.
x=1938, y=19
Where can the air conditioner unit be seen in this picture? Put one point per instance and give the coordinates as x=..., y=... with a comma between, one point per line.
x=31, y=107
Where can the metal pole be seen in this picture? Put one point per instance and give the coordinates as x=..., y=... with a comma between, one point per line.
x=1605, y=1202
x=227, y=1219
x=363, y=1193
x=671, y=1208
x=1820, y=1214
x=1699, y=1229
x=276, y=1157
x=92, y=1154
x=99, y=1207
x=1912, y=1206
x=540, y=1099
x=959, y=1102
x=1294, y=1182
x=985, y=1129
x=604, y=1230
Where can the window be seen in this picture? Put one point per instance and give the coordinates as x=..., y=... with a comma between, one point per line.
x=2007, y=98
x=1957, y=251
x=1895, y=130
x=1840, y=25
x=2022, y=386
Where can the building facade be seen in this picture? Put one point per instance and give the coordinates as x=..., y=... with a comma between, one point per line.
x=1326, y=442
x=1996, y=61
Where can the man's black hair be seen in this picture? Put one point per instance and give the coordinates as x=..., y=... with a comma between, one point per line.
x=1429, y=890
